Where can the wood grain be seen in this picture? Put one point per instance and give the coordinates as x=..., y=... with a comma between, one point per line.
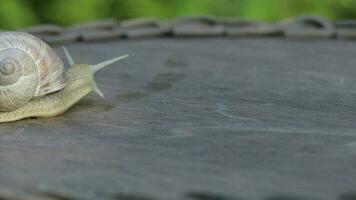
x=197, y=119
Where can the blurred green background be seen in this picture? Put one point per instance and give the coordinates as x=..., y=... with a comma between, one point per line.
x=22, y=13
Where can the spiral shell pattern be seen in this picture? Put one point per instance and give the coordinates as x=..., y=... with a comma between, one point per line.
x=29, y=68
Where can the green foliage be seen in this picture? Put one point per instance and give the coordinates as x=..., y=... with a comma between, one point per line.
x=21, y=13
x=16, y=13
x=68, y=12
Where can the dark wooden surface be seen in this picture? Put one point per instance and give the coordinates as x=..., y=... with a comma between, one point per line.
x=200, y=119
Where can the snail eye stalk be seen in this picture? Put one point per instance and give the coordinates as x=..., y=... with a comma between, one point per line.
x=97, y=67
x=69, y=57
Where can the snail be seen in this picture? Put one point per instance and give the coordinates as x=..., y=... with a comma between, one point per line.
x=34, y=82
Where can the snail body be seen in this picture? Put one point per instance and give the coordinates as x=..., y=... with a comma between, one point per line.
x=68, y=88
x=79, y=85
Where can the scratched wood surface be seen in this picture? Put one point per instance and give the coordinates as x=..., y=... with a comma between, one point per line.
x=200, y=119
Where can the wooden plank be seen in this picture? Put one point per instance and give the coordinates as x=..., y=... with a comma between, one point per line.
x=196, y=119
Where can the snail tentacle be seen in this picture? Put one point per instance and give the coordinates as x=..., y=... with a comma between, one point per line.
x=97, y=67
x=69, y=57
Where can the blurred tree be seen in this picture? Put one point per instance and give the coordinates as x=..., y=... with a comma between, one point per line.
x=345, y=9
x=210, y=7
x=20, y=13
x=66, y=12
x=16, y=13
x=124, y=9
x=279, y=9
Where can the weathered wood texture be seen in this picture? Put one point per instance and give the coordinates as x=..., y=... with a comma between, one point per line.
x=197, y=119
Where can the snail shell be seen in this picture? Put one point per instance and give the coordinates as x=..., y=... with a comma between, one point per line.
x=29, y=68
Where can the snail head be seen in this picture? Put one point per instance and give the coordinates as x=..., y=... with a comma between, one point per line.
x=94, y=68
